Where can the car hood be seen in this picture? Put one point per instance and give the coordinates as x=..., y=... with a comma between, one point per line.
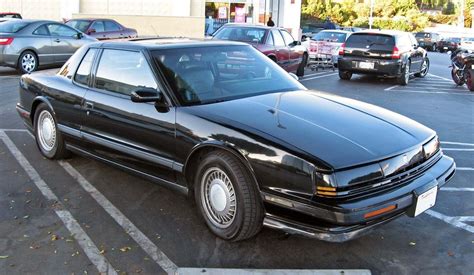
x=339, y=131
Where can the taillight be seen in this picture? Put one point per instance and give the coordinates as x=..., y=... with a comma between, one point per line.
x=342, y=48
x=6, y=41
x=395, y=53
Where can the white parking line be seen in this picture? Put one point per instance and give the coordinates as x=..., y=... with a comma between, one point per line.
x=424, y=92
x=465, y=169
x=320, y=76
x=84, y=241
x=390, y=88
x=440, y=77
x=455, y=189
x=457, y=143
x=142, y=240
x=13, y=130
x=312, y=74
x=451, y=220
x=459, y=149
x=249, y=271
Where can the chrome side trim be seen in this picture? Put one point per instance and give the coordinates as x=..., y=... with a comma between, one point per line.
x=178, y=167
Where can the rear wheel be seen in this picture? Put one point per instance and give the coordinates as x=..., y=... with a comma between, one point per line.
x=48, y=138
x=28, y=62
x=302, y=66
x=227, y=197
x=433, y=48
x=469, y=80
x=345, y=75
x=425, y=67
x=405, y=76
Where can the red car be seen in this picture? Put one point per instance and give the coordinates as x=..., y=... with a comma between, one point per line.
x=13, y=15
x=102, y=29
x=276, y=43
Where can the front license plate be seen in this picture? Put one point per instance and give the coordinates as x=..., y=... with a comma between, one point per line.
x=366, y=65
x=445, y=48
x=425, y=201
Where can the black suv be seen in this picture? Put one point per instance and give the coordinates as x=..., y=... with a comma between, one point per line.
x=382, y=53
x=428, y=40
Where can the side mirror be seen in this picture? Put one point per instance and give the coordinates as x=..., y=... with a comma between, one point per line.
x=146, y=95
x=79, y=35
x=91, y=31
x=294, y=76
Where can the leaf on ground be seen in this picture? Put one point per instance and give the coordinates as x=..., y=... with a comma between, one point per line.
x=450, y=253
x=26, y=217
x=4, y=257
x=54, y=237
x=125, y=248
x=102, y=251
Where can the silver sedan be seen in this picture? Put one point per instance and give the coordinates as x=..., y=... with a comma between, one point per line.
x=30, y=44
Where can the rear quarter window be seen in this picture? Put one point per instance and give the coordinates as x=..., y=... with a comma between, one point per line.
x=12, y=26
x=373, y=41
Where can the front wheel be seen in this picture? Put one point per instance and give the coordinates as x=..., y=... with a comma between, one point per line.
x=456, y=78
x=345, y=75
x=302, y=66
x=434, y=48
x=405, y=76
x=425, y=67
x=228, y=197
x=49, y=140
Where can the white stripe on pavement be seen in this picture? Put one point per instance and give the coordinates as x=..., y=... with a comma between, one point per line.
x=423, y=92
x=321, y=76
x=312, y=74
x=451, y=220
x=456, y=189
x=440, y=77
x=84, y=241
x=13, y=130
x=457, y=143
x=248, y=271
x=390, y=88
x=459, y=149
x=464, y=169
x=142, y=240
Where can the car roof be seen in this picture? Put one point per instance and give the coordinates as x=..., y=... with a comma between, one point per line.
x=382, y=32
x=167, y=43
x=243, y=25
x=339, y=31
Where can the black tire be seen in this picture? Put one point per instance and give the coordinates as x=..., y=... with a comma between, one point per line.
x=345, y=75
x=302, y=66
x=248, y=216
x=434, y=48
x=469, y=77
x=27, y=62
x=456, y=79
x=424, y=71
x=57, y=148
x=404, y=78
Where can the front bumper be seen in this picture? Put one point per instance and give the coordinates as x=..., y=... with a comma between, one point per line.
x=382, y=67
x=342, y=221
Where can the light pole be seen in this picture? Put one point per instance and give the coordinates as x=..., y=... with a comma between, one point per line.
x=371, y=19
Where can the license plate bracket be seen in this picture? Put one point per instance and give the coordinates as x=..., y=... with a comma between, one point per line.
x=365, y=65
x=423, y=199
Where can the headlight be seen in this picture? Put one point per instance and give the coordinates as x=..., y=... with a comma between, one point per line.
x=430, y=148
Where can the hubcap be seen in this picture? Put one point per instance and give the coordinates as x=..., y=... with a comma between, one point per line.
x=46, y=131
x=218, y=197
x=424, y=67
x=407, y=72
x=28, y=62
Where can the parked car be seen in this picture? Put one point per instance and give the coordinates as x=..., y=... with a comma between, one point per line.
x=353, y=29
x=30, y=44
x=449, y=44
x=383, y=53
x=324, y=46
x=309, y=30
x=102, y=29
x=220, y=121
x=467, y=43
x=276, y=43
x=428, y=40
x=10, y=15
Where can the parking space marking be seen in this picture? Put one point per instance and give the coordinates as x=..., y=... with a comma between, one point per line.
x=424, y=92
x=465, y=169
x=312, y=74
x=390, y=88
x=141, y=239
x=84, y=241
x=319, y=76
x=248, y=271
x=13, y=130
x=457, y=143
x=459, y=149
x=455, y=189
x=440, y=77
x=455, y=221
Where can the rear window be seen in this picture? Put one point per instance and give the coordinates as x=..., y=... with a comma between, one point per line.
x=255, y=35
x=330, y=37
x=12, y=26
x=370, y=41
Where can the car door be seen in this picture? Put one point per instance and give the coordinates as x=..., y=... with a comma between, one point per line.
x=294, y=55
x=65, y=41
x=97, y=30
x=137, y=135
x=416, y=53
x=281, y=50
x=113, y=30
x=43, y=45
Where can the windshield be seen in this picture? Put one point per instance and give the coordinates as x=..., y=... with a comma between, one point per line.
x=79, y=24
x=370, y=40
x=423, y=35
x=470, y=39
x=241, y=34
x=12, y=26
x=200, y=75
x=330, y=36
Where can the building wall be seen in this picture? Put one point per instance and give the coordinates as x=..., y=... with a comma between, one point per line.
x=148, y=25
x=139, y=7
x=44, y=9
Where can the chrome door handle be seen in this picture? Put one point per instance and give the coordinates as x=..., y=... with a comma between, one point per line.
x=89, y=107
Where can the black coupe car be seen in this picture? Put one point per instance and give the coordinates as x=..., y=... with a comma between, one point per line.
x=221, y=121
x=392, y=54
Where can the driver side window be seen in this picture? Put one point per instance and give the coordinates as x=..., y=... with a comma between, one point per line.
x=61, y=30
x=289, y=40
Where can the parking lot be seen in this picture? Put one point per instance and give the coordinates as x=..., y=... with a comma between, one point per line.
x=82, y=216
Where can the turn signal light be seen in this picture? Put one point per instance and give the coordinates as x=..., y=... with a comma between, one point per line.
x=326, y=191
x=6, y=41
x=342, y=48
x=396, y=53
x=380, y=211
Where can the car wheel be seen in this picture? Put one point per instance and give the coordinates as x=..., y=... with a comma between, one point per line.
x=458, y=80
x=405, y=76
x=227, y=197
x=49, y=140
x=345, y=75
x=469, y=81
x=302, y=66
x=425, y=67
x=28, y=62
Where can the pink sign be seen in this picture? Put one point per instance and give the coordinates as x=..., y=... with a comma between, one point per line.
x=239, y=15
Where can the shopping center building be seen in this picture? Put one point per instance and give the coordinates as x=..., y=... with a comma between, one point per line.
x=191, y=18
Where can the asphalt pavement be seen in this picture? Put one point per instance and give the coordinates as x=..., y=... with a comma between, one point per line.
x=82, y=216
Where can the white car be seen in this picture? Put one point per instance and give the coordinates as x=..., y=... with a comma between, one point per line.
x=324, y=46
x=467, y=43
